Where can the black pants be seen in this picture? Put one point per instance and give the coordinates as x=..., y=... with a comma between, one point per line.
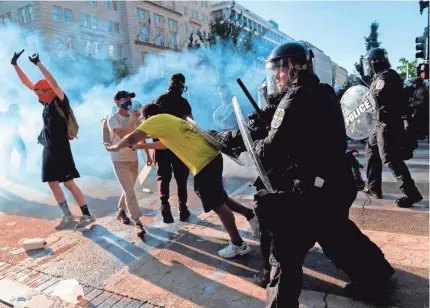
x=167, y=162
x=383, y=148
x=295, y=224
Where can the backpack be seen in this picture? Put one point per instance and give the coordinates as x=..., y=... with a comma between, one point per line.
x=106, y=132
x=72, y=124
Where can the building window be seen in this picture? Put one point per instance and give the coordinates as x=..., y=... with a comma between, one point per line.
x=109, y=26
x=26, y=14
x=59, y=42
x=143, y=56
x=158, y=19
x=5, y=18
x=68, y=16
x=160, y=39
x=87, y=46
x=85, y=20
x=172, y=41
x=142, y=14
x=184, y=11
x=119, y=51
x=92, y=2
x=70, y=43
x=186, y=28
x=144, y=33
x=56, y=13
x=93, y=22
x=193, y=14
x=117, y=28
x=206, y=4
x=30, y=12
x=202, y=3
x=172, y=25
x=204, y=19
x=107, y=5
x=111, y=51
x=115, y=5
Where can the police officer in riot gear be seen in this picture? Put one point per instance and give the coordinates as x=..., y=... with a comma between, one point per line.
x=384, y=143
x=310, y=190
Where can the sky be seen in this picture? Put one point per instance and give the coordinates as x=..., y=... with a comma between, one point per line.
x=338, y=27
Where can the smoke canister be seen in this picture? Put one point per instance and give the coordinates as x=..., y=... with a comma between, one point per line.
x=34, y=243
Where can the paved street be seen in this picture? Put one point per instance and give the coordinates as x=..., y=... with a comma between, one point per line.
x=177, y=265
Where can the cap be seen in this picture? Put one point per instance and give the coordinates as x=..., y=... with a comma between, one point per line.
x=123, y=94
x=178, y=77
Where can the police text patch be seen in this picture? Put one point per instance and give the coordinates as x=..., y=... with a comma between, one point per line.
x=278, y=117
x=380, y=85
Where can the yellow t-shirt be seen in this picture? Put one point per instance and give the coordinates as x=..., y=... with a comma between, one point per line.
x=182, y=139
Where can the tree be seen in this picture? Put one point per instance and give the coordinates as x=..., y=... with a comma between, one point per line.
x=371, y=42
x=407, y=68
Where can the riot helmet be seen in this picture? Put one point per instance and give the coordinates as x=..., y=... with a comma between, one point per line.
x=375, y=61
x=286, y=66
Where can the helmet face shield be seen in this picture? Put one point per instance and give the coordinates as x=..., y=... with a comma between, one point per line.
x=367, y=67
x=276, y=76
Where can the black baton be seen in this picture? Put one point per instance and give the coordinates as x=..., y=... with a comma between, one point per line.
x=252, y=101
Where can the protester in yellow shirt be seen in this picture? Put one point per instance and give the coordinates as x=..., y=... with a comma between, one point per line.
x=204, y=161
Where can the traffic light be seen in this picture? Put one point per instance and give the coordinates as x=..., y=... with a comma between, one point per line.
x=421, y=47
x=423, y=5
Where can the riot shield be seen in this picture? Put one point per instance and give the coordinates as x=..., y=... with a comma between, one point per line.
x=213, y=142
x=359, y=112
x=224, y=118
x=249, y=144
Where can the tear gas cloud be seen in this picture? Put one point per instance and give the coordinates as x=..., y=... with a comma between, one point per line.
x=90, y=88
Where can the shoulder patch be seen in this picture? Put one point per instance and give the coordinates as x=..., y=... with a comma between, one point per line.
x=380, y=85
x=277, y=118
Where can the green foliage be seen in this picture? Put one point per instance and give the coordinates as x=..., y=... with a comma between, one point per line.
x=407, y=68
x=371, y=42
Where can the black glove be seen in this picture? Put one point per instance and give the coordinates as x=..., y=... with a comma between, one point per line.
x=15, y=57
x=34, y=58
x=267, y=114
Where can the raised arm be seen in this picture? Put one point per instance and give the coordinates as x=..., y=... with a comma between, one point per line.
x=22, y=76
x=54, y=85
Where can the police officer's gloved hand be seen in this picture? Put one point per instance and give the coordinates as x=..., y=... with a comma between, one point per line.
x=34, y=58
x=257, y=130
x=225, y=138
x=15, y=57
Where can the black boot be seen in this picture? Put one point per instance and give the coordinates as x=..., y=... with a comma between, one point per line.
x=408, y=201
x=122, y=217
x=166, y=213
x=262, y=278
x=184, y=213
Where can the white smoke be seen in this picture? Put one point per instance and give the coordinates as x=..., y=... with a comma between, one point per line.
x=90, y=89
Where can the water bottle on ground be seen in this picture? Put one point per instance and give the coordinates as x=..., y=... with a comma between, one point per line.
x=70, y=291
x=34, y=243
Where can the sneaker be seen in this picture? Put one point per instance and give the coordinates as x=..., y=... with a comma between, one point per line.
x=140, y=231
x=84, y=221
x=232, y=250
x=407, y=202
x=255, y=227
x=372, y=193
x=65, y=221
x=122, y=217
x=184, y=214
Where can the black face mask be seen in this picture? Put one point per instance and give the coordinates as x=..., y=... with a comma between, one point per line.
x=126, y=105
